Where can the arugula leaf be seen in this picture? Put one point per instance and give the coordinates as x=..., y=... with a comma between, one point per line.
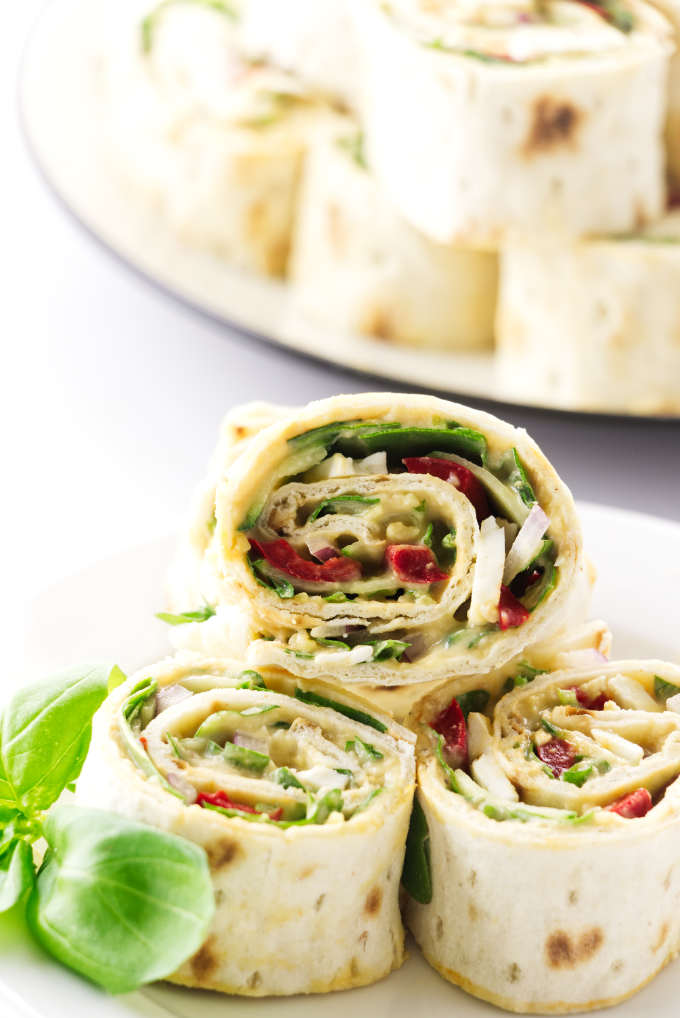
x=200, y=615
x=130, y=724
x=386, y=650
x=119, y=902
x=266, y=576
x=248, y=759
x=17, y=873
x=552, y=729
x=663, y=689
x=449, y=540
x=336, y=598
x=475, y=700
x=416, y=875
x=116, y=679
x=328, y=504
x=470, y=637
x=45, y=735
x=367, y=801
x=578, y=773
x=150, y=23
x=307, y=696
x=427, y=536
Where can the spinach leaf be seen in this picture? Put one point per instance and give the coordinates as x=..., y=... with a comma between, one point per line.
x=416, y=876
x=664, y=689
x=200, y=615
x=117, y=901
x=17, y=873
x=285, y=777
x=474, y=700
x=306, y=696
x=366, y=751
x=328, y=642
x=347, y=503
x=45, y=736
x=251, y=680
x=386, y=650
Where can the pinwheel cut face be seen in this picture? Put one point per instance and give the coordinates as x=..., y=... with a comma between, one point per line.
x=522, y=31
x=259, y=755
x=370, y=526
x=571, y=748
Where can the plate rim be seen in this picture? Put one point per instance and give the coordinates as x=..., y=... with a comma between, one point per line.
x=242, y=332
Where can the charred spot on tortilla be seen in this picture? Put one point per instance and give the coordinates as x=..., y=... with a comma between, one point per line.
x=378, y=323
x=205, y=961
x=222, y=852
x=667, y=880
x=254, y=980
x=363, y=938
x=473, y=878
x=554, y=123
x=373, y=901
x=354, y=968
x=472, y=912
x=565, y=952
x=573, y=897
x=440, y=928
x=514, y=972
x=319, y=902
x=307, y=872
x=240, y=431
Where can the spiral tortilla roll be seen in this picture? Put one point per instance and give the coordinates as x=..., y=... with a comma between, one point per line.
x=358, y=266
x=520, y=98
x=338, y=547
x=212, y=143
x=301, y=799
x=560, y=815
x=312, y=38
x=594, y=324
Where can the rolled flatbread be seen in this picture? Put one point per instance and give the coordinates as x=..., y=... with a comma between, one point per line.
x=485, y=121
x=386, y=539
x=213, y=142
x=357, y=265
x=542, y=861
x=301, y=798
x=593, y=325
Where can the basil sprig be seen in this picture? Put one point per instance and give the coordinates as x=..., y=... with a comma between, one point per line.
x=106, y=884
x=183, y=618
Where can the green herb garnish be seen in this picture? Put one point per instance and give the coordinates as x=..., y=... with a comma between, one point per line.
x=307, y=696
x=181, y=619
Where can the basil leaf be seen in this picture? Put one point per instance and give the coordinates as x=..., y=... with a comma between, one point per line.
x=130, y=724
x=17, y=873
x=385, y=650
x=427, y=536
x=474, y=700
x=119, y=902
x=306, y=696
x=116, y=679
x=664, y=689
x=337, y=597
x=200, y=615
x=45, y=736
x=367, y=801
x=267, y=576
x=328, y=504
x=412, y=441
x=416, y=875
x=578, y=773
x=354, y=146
x=150, y=23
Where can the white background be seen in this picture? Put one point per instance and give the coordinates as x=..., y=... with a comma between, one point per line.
x=112, y=393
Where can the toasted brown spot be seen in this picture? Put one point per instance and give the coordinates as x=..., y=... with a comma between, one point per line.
x=554, y=124
x=222, y=852
x=373, y=901
x=204, y=962
x=354, y=967
x=473, y=878
x=617, y=965
x=254, y=980
x=663, y=933
x=319, y=902
x=514, y=972
x=564, y=951
x=439, y=931
x=240, y=432
x=307, y=872
x=667, y=880
x=573, y=897
x=472, y=912
x=379, y=324
x=363, y=938
x=219, y=896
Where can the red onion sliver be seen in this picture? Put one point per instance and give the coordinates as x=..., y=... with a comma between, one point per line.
x=170, y=695
x=250, y=742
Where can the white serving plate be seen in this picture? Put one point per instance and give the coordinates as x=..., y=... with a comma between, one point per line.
x=107, y=612
x=64, y=115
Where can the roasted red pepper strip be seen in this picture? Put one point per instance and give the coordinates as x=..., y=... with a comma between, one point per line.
x=588, y=702
x=414, y=563
x=511, y=612
x=557, y=754
x=222, y=800
x=284, y=557
x=451, y=724
x=635, y=804
x=460, y=477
